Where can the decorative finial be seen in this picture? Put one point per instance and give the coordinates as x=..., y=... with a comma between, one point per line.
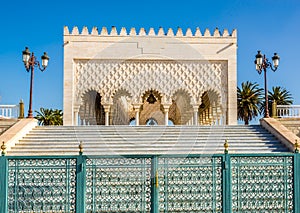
x=75, y=31
x=217, y=32
x=198, y=32
x=123, y=31
x=3, y=148
x=296, y=146
x=226, y=145
x=94, y=31
x=85, y=31
x=179, y=32
x=207, y=33
x=151, y=32
x=161, y=32
x=225, y=33
x=80, y=148
x=188, y=32
x=170, y=32
x=66, y=30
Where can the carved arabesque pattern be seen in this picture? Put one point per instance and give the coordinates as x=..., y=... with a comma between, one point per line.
x=118, y=185
x=138, y=76
x=258, y=183
x=262, y=184
x=42, y=185
x=189, y=184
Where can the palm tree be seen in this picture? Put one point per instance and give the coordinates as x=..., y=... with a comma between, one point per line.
x=280, y=96
x=58, y=117
x=249, y=99
x=47, y=117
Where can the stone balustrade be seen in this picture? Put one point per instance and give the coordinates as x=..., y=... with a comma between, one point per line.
x=9, y=111
x=288, y=111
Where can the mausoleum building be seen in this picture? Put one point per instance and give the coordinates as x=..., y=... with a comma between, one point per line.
x=149, y=77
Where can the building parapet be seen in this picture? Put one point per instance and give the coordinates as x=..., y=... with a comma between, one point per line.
x=151, y=32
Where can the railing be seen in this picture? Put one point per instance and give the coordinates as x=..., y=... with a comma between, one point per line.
x=9, y=111
x=288, y=111
x=179, y=183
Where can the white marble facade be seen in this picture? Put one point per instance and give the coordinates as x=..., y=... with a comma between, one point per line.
x=115, y=77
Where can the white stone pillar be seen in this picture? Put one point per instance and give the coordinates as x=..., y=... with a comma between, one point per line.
x=214, y=113
x=219, y=115
x=137, y=113
x=137, y=117
x=203, y=117
x=207, y=116
x=200, y=118
x=210, y=115
x=106, y=110
x=166, y=111
x=76, y=114
x=75, y=118
x=166, y=117
x=195, y=119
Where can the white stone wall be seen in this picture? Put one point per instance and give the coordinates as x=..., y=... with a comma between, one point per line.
x=135, y=62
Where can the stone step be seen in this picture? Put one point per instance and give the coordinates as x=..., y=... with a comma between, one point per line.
x=140, y=147
x=128, y=147
x=147, y=128
x=117, y=132
x=150, y=137
x=137, y=142
x=129, y=131
x=144, y=152
x=168, y=129
x=104, y=140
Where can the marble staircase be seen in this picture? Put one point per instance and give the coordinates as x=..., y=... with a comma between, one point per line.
x=144, y=140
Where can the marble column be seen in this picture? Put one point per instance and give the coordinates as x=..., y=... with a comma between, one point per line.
x=166, y=111
x=195, y=118
x=76, y=114
x=137, y=113
x=106, y=110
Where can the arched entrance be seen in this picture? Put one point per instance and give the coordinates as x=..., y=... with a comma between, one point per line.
x=91, y=111
x=181, y=110
x=121, y=108
x=210, y=111
x=151, y=109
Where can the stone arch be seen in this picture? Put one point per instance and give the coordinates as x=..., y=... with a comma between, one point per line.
x=181, y=110
x=121, y=109
x=184, y=91
x=158, y=95
x=151, y=107
x=210, y=110
x=212, y=94
x=91, y=111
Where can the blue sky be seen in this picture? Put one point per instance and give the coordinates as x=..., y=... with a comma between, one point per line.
x=267, y=25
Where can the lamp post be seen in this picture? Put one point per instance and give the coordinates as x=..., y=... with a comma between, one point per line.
x=262, y=64
x=30, y=62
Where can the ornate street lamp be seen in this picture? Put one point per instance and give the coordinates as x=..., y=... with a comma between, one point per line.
x=30, y=62
x=262, y=63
